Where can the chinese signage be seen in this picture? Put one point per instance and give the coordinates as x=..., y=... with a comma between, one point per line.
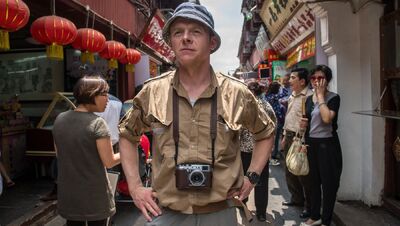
x=276, y=13
x=304, y=51
x=299, y=27
x=278, y=69
x=153, y=38
x=261, y=40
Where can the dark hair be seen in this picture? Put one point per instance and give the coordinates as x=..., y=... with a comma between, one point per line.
x=88, y=87
x=302, y=73
x=255, y=87
x=324, y=69
x=274, y=88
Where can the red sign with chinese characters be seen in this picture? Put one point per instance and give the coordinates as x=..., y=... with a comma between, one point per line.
x=153, y=38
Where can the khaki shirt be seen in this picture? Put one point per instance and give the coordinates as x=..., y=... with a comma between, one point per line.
x=152, y=111
x=294, y=112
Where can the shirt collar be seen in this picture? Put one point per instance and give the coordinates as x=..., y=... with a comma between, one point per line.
x=208, y=92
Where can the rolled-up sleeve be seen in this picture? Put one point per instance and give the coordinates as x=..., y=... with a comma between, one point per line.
x=128, y=127
x=133, y=123
x=256, y=119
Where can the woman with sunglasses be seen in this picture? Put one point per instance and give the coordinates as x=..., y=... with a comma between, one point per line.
x=324, y=151
x=84, y=151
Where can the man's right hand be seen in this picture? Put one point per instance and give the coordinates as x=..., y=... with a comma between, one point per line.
x=145, y=200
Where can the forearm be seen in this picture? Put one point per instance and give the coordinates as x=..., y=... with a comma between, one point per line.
x=324, y=110
x=129, y=160
x=116, y=159
x=261, y=153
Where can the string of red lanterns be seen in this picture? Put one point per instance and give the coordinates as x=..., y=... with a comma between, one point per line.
x=55, y=31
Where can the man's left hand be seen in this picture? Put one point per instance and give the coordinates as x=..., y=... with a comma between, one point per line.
x=246, y=189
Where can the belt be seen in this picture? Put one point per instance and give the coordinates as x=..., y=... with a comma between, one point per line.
x=218, y=206
x=224, y=204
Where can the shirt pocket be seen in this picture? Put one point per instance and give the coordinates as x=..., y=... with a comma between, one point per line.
x=227, y=139
x=162, y=138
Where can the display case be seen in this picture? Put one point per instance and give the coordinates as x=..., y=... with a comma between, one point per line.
x=39, y=140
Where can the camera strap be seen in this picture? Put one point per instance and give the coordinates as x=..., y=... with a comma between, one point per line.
x=213, y=124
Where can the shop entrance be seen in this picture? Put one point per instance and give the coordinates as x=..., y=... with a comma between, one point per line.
x=390, y=80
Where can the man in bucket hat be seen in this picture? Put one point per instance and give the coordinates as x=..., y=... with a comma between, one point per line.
x=195, y=116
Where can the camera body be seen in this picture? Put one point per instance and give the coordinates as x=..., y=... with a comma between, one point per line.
x=196, y=176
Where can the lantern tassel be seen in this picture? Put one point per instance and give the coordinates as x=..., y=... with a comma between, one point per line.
x=112, y=64
x=4, y=40
x=87, y=57
x=130, y=68
x=55, y=51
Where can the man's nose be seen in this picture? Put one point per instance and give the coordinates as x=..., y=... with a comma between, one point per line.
x=187, y=37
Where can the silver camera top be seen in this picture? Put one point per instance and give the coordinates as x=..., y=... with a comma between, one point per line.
x=195, y=167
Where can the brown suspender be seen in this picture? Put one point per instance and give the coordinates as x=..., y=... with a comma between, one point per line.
x=213, y=124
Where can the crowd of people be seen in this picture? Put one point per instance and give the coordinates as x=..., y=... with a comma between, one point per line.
x=213, y=139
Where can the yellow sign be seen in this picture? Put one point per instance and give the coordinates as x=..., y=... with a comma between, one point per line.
x=276, y=13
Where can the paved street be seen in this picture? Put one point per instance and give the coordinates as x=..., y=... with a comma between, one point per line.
x=127, y=215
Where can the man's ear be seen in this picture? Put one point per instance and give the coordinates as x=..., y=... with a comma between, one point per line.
x=213, y=42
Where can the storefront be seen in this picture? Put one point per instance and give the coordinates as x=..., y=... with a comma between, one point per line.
x=29, y=79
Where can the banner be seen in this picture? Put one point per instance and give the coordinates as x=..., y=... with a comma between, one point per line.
x=304, y=51
x=278, y=69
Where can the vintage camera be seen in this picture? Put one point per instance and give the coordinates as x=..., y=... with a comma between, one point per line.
x=193, y=176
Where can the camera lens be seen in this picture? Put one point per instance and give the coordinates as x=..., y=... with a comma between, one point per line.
x=196, y=178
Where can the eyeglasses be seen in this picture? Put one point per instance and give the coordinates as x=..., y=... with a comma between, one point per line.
x=317, y=77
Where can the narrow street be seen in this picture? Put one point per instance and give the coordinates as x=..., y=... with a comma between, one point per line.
x=277, y=214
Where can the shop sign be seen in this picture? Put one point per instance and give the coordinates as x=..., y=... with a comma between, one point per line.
x=278, y=69
x=272, y=55
x=302, y=52
x=255, y=58
x=153, y=38
x=261, y=40
x=276, y=13
x=299, y=27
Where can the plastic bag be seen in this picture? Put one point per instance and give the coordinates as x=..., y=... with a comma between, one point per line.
x=296, y=159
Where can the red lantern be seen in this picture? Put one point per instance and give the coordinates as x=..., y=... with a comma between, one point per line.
x=132, y=57
x=113, y=51
x=53, y=31
x=89, y=41
x=14, y=14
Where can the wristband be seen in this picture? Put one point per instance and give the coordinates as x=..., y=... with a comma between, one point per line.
x=319, y=105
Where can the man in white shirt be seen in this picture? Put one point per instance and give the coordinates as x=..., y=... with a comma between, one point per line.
x=111, y=115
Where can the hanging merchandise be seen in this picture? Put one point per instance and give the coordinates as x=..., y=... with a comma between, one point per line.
x=89, y=41
x=113, y=51
x=53, y=31
x=14, y=14
x=131, y=57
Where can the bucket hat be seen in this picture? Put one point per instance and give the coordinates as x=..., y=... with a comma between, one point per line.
x=192, y=11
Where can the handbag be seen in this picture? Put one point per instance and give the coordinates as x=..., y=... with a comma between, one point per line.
x=296, y=159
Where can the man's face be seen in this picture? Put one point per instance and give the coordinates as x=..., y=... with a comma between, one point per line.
x=285, y=80
x=191, y=41
x=296, y=84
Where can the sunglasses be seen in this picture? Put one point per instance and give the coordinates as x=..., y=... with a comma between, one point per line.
x=319, y=78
